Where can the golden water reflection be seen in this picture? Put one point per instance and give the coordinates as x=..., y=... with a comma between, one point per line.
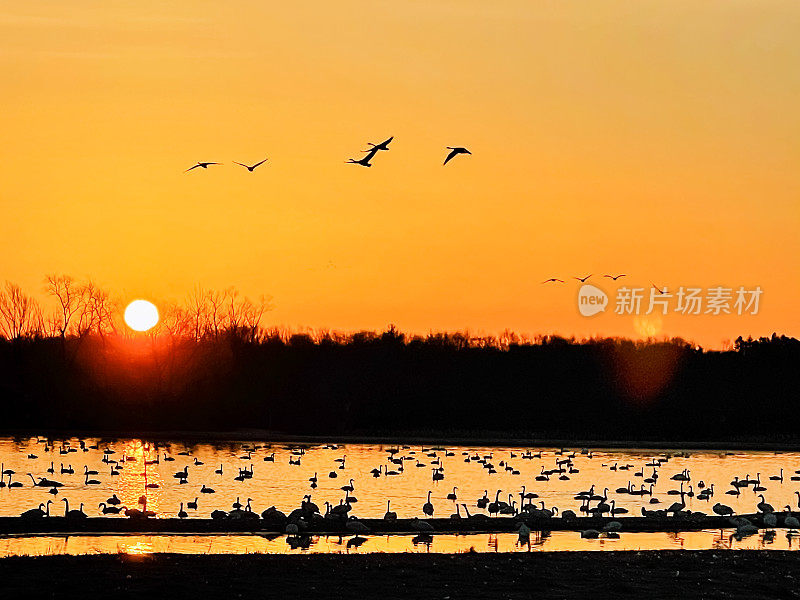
x=445, y=544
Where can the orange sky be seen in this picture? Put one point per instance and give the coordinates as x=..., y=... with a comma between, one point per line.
x=652, y=138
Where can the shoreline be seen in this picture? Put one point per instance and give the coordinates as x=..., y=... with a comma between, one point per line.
x=417, y=438
x=439, y=526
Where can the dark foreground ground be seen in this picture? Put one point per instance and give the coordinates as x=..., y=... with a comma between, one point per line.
x=650, y=575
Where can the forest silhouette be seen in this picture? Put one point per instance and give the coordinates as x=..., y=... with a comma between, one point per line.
x=212, y=366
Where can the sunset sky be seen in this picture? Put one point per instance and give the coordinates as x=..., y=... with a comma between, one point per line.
x=654, y=138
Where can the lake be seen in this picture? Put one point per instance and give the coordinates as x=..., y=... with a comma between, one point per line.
x=286, y=476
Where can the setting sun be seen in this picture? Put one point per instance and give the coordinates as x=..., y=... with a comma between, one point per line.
x=141, y=315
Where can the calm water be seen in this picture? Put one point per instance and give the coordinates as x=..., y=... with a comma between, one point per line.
x=283, y=482
x=505, y=542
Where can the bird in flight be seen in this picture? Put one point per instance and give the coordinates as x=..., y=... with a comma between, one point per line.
x=202, y=164
x=582, y=279
x=455, y=151
x=554, y=280
x=364, y=162
x=615, y=277
x=249, y=167
x=660, y=291
x=384, y=145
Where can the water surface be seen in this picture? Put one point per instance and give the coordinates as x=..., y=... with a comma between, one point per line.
x=283, y=480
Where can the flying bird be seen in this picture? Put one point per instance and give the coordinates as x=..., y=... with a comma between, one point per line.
x=384, y=145
x=250, y=168
x=364, y=162
x=615, y=277
x=455, y=151
x=582, y=279
x=202, y=164
x=554, y=280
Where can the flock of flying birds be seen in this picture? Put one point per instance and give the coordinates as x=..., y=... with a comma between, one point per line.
x=612, y=277
x=365, y=161
x=582, y=279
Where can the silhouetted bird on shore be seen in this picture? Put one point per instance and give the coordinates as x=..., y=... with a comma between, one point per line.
x=582, y=279
x=554, y=280
x=384, y=145
x=615, y=277
x=250, y=168
x=202, y=164
x=455, y=151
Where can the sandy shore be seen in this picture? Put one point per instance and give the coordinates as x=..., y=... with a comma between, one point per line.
x=652, y=575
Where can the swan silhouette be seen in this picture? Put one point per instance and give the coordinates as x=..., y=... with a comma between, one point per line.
x=205, y=165
x=455, y=151
x=251, y=168
x=364, y=161
x=384, y=145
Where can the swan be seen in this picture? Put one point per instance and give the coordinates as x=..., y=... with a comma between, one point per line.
x=589, y=534
x=206, y=490
x=778, y=477
x=182, y=514
x=109, y=510
x=251, y=168
x=455, y=151
x=509, y=509
x=204, y=165
x=722, y=509
x=389, y=516
x=192, y=504
x=494, y=507
x=88, y=481
x=763, y=506
x=452, y=495
x=427, y=508
x=73, y=514
x=34, y=513
x=676, y=507
x=615, y=510
x=355, y=526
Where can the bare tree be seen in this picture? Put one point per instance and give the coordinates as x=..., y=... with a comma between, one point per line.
x=197, y=307
x=68, y=294
x=97, y=311
x=176, y=321
x=20, y=314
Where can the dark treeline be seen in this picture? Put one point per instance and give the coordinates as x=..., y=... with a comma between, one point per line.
x=389, y=384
